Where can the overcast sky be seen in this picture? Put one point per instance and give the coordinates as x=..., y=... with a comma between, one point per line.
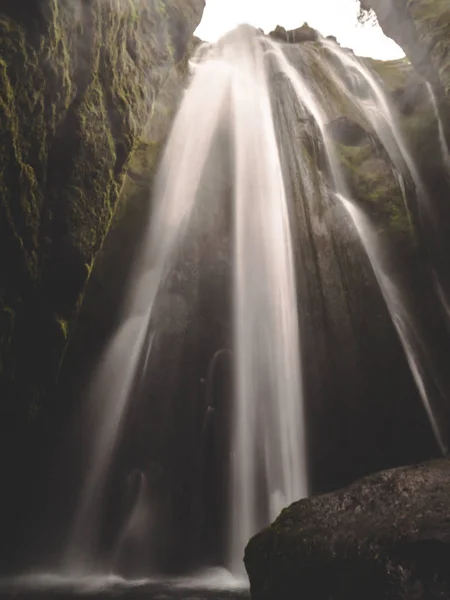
x=330, y=17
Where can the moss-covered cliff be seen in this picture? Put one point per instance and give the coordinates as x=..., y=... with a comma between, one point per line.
x=78, y=82
x=422, y=29
x=107, y=286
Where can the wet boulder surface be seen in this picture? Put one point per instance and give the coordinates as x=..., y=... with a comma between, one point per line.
x=385, y=536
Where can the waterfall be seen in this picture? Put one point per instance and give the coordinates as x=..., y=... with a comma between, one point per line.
x=268, y=427
x=442, y=140
x=229, y=90
x=374, y=110
x=173, y=200
x=278, y=199
x=401, y=316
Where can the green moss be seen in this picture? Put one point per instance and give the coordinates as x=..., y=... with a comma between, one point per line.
x=396, y=74
x=77, y=88
x=63, y=326
x=422, y=29
x=374, y=186
x=432, y=21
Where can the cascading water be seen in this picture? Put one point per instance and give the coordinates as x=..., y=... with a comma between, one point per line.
x=268, y=429
x=232, y=104
x=229, y=89
x=442, y=139
x=128, y=352
x=401, y=317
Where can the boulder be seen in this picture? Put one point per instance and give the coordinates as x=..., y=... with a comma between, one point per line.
x=385, y=536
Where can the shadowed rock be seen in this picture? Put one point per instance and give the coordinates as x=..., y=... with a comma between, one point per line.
x=305, y=33
x=78, y=83
x=347, y=132
x=385, y=536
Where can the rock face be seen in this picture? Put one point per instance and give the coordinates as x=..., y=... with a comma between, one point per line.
x=405, y=85
x=79, y=81
x=386, y=536
x=305, y=33
x=108, y=281
x=422, y=29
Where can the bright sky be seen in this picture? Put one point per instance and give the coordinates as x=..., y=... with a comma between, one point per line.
x=330, y=17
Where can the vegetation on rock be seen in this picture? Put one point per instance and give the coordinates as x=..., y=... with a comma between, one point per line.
x=108, y=282
x=422, y=29
x=78, y=84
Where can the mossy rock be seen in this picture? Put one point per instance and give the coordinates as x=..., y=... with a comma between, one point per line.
x=405, y=85
x=375, y=187
x=108, y=282
x=78, y=83
x=432, y=20
x=422, y=29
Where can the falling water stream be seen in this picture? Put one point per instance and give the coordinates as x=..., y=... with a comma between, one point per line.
x=232, y=102
x=268, y=426
x=401, y=316
x=442, y=139
x=230, y=89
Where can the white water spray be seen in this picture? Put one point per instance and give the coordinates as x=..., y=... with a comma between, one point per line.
x=174, y=199
x=228, y=92
x=374, y=110
x=442, y=139
x=268, y=441
x=229, y=103
x=401, y=317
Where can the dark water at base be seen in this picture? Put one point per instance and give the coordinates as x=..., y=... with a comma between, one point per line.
x=211, y=586
x=143, y=593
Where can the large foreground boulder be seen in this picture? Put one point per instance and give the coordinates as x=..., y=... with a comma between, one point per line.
x=385, y=536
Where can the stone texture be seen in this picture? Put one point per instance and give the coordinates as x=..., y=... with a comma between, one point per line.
x=78, y=82
x=385, y=536
x=422, y=29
